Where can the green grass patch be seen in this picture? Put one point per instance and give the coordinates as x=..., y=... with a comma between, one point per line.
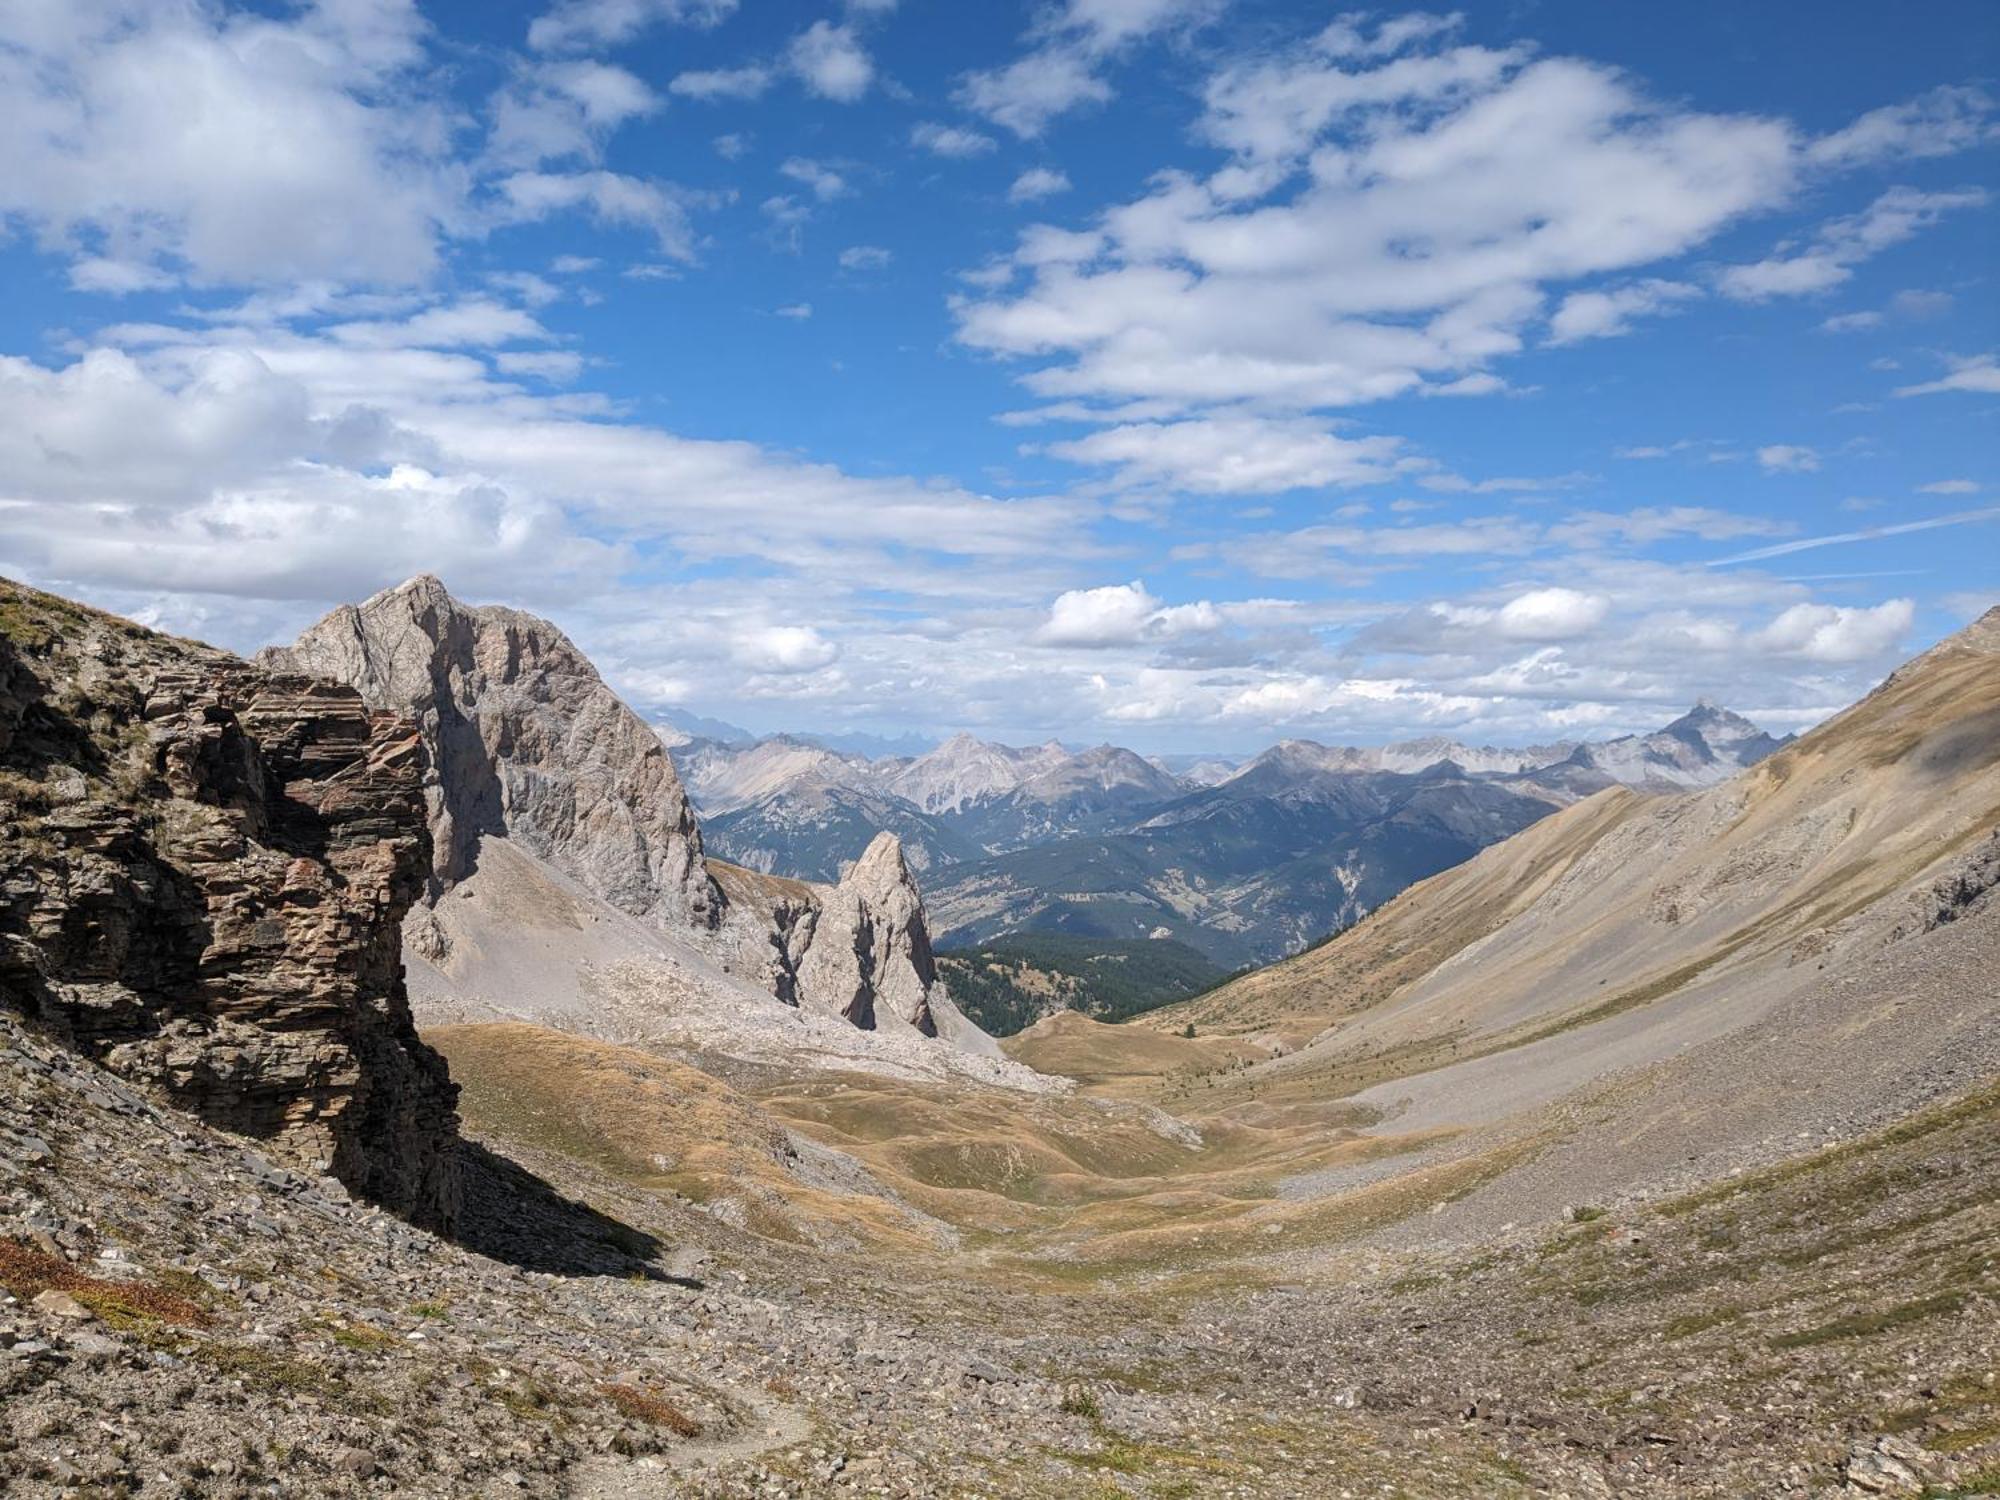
x=122, y=1305
x=1971, y=1110
x=1864, y=1325
x=363, y=1339
x=270, y=1373
x=1976, y=1486
x=1701, y=1322
x=25, y=626
x=1078, y=1402
x=1117, y=1455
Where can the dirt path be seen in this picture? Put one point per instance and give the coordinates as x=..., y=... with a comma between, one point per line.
x=768, y=1425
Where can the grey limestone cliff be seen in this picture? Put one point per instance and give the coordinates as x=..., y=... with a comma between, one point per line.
x=525, y=741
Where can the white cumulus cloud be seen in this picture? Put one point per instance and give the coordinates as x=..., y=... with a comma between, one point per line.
x=1234, y=455
x=1260, y=284
x=1829, y=258
x=1787, y=458
x=865, y=258
x=179, y=140
x=786, y=648
x=1037, y=183
x=1605, y=314
x=950, y=140
x=1976, y=375
x=825, y=183
x=1077, y=39
x=1114, y=615
x=1126, y=614
x=831, y=62
x=1552, y=614
x=1945, y=120
x=1835, y=633
x=579, y=24
x=747, y=82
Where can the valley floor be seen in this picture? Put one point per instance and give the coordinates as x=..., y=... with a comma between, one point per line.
x=187, y=1319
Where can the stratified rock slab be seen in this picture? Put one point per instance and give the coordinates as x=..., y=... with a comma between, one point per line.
x=204, y=869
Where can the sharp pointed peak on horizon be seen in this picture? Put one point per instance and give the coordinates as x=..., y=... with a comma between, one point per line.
x=417, y=583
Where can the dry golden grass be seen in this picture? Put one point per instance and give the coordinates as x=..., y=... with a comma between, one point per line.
x=754, y=888
x=1064, y=1189
x=645, y=1406
x=1123, y=1060
x=28, y=1272
x=658, y=1124
x=1185, y=1232
x=1027, y=1178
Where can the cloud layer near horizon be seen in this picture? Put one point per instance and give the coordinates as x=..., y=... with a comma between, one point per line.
x=345, y=377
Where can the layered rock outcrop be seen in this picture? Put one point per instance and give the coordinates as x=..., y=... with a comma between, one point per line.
x=204, y=869
x=527, y=743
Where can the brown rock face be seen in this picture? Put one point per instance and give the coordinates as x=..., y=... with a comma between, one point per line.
x=203, y=874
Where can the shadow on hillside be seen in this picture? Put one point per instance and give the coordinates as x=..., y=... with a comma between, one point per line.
x=509, y=1214
x=1964, y=746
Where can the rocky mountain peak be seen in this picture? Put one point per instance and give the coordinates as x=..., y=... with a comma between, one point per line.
x=1445, y=769
x=881, y=870
x=1727, y=734
x=1708, y=743
x=524, y=741
x=1710, y=719
x=1983, y=634
x=1105, y=768
x=425, y=587
x=965, y=770
x=1294, y=757
x=868, y=948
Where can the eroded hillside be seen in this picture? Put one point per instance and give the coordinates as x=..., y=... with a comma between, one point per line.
x=1650, y=1152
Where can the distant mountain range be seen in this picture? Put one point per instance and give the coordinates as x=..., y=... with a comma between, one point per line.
x=677, y=726
x=1244, y=863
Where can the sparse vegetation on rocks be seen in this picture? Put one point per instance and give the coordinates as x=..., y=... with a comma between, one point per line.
x=1245, y=1256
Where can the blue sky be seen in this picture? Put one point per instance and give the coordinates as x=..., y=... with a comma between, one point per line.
x=1184, y=373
